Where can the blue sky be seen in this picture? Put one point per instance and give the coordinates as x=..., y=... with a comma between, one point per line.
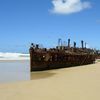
x=44, y=21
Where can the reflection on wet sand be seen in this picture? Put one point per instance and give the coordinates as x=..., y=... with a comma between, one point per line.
x=41, y=75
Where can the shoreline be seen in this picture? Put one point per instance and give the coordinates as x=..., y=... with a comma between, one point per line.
x=75, y=83
x=13, y=60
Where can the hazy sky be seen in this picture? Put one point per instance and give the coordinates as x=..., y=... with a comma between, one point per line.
x=44, y=21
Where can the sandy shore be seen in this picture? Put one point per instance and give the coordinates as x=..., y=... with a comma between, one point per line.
x=77, y=83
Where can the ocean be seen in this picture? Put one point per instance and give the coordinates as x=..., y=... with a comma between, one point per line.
x=14, y=67
x=14, y=70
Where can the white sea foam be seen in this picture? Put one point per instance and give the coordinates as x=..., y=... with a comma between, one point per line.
x=13, y=56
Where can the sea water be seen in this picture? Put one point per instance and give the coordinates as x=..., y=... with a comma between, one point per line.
x=14, y=67
x=14, y=70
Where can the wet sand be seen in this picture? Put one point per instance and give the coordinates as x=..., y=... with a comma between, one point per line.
x=75, y=83
x=14, y=70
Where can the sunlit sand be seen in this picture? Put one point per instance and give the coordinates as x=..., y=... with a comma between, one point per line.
x=75, y=83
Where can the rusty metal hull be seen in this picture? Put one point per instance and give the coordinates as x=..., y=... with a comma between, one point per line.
x=67, y=60
x=55, y=65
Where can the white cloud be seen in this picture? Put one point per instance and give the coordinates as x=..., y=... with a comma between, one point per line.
x=69, y=6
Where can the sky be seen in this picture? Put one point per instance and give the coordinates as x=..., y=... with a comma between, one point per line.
x=44, y=21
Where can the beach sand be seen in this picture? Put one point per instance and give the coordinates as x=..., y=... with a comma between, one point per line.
x=75, y=83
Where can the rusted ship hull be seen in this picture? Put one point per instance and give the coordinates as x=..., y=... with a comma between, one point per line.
x=55, y=65
x=60, y=56
x=67, y=61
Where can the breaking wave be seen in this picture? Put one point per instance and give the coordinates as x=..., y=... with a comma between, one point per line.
x=13, y=56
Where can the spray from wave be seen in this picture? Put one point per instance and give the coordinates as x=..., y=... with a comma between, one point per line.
x=13, y=56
